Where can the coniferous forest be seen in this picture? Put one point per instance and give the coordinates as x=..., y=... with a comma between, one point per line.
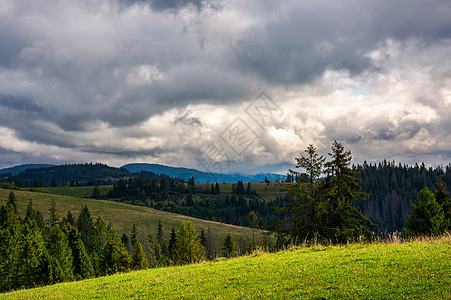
x=325, y=200
x=37, y=251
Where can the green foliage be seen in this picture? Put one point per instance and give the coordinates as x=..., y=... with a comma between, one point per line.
x=12, y=201
x=442, y=198
x=416, y=270
x=323, y=209
x=138, y=259
x=229, y=246
x=81, y=261
x=30, y=255
x=188, y=248
x=113, y=257
x=427, y=216
x=59, y=250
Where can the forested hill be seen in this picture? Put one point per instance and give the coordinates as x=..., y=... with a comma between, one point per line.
x=17, y=169
x=393, y=188
x=70, y=174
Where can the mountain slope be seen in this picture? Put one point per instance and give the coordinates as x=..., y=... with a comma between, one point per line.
x=123, y=216
x=199, y=176
x=17, y=169
x=420, y=270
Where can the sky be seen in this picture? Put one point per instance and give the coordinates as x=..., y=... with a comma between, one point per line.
x=224, y=86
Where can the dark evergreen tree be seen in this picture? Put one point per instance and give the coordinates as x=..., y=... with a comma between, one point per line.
x=53, y=216
x=30, y=255
x=342, y=220
x=126, y=242
x=10, y=237
x=427, y=216
x=59, y=250
x=12, y=201
x=229, y=246
x=86, y=227
x=172, y=243
x=442, y=198
x=217, y=189
x=138, y=258
x=113, y=257
x=69, y=218
x=81, y=261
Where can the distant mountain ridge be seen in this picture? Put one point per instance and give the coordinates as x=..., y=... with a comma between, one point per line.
x=89, y=172
x=17, y=169
x=199, y=176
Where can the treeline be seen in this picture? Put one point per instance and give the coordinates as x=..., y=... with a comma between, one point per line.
x=174, y=195
x=393, y=188
x=65, y=175
x=35, y=251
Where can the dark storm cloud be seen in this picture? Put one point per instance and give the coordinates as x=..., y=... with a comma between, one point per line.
x=88, y=75
x=310, y=38
x=166, y=4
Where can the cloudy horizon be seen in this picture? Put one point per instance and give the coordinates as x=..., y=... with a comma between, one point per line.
x=180, y=83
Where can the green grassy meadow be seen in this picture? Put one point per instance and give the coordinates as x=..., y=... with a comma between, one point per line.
x=76, y=191
x=415, y=270
x=123, y=216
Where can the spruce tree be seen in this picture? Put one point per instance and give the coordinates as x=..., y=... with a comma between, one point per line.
x=442, y=198
x=342, y=220
x=58, y=248
x=30, y=255
x=114, y=257
x=172, y=243
x=138, y=258
x=188, y=248
x=307, y=208
x=426, y=217
x=81, y=261
x=53, y=216
x=12, y=201
x=229, y=246
x=10, y=237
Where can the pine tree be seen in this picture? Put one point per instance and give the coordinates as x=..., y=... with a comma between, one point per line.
x=307, y=208
x=188, y=248
x=12, y=201
x=138, y=259
x=10, y=236
x=69, y=218
x=427, y=216
x=229, y=246
x=58, y=249
x=86, y=227
x=30, y=255
x=342, y=220
x=442, y=198
x=53, y=216
x=172, y=243
x=81, y=261
x=217, y=190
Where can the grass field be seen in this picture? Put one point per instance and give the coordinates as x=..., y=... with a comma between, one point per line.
x=78, y=191
x=123, y=216
x=415, y=270
x=266, y=191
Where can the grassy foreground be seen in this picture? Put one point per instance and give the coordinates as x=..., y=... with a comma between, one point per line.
x=123, y=216
x=419, y=270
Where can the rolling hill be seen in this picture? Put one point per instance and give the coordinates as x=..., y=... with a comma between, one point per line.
x=123, y=216
x=415, y=270
x=17, y=169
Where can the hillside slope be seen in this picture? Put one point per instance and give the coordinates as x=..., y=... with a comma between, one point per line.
x=123, y=216
x=420, y=270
